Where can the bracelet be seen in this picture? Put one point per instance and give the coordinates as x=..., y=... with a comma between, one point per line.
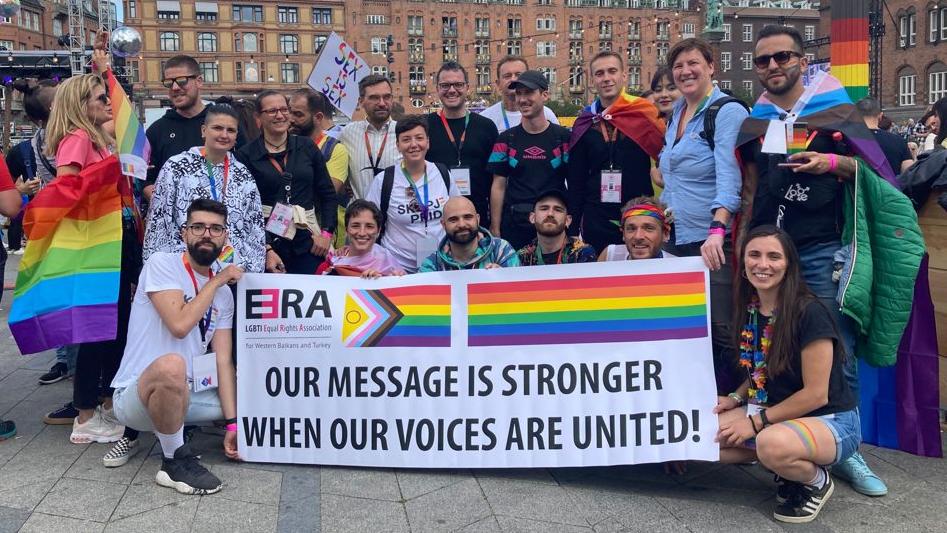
x=752, y=423
x=232, y=428
x=717, y=231
x=736, y=396
x=326, y=234
x=833, y=162
x=231, y=420
x=764, y=419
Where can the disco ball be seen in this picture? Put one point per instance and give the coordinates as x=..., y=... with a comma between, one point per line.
x=9, y=8
x=126, y=42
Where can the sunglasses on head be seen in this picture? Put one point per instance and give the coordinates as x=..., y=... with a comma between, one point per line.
x=182, y=81
x=781, y=58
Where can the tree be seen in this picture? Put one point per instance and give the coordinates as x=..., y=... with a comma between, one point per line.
x=563, y=108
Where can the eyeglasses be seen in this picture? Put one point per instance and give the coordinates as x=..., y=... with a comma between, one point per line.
x=276, y=110
x=198, y=229
x=182, y=81
x=781, y=58
x=104, y=98
x=456, y=85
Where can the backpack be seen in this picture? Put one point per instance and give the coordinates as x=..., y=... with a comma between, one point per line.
x=710, y=118
x=388, y=183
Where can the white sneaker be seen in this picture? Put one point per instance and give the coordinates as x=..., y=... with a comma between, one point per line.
x=95, y=429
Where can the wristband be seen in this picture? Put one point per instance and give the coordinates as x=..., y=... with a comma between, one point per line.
x=752, y=423
x=764, y=419
x=833, y=162
x=326, y=234
x=717, y=231
x=231, y=428
x=231, y=420
x=736, y=396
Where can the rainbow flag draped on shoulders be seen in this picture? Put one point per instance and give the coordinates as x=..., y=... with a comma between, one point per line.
x=67, y=288
x=635, y=117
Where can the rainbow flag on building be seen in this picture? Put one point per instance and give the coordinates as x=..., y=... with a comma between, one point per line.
x=67, y=288
x=649, y=307
x=416, y=316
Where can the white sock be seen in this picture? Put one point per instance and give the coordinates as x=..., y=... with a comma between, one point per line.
x=171, y=441
x=820, y=478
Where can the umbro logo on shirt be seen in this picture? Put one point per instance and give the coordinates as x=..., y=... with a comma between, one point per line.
x=534, y=152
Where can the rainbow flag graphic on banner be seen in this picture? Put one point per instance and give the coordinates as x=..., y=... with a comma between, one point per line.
x=405, y=316
x=649, y=307
x=131, y=142
x=67, y=288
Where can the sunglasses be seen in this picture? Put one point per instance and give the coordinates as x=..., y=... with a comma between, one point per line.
x=104, y=98
x=781, y=58
x=182, y=81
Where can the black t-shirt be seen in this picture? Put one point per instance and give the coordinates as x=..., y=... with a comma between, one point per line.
x=172, y=134
x=894, y=147
x=814, y=323
x=532, y=163
x=807, y=206
x=17, y=165
x=475, y=151
x=590, y=155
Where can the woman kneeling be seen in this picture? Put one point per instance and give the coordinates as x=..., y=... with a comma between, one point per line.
x=801, y=416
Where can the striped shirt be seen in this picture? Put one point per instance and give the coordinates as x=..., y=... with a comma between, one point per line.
x=361, y=170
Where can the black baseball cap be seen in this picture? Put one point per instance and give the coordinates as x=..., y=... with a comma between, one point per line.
x=558, y=194
x=531, y=79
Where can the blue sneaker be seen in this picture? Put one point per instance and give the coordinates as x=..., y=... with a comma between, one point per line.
x=7, y=429
x=859, y=474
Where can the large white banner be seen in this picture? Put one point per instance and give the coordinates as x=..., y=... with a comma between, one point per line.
x=559, y=365
x=337, y=72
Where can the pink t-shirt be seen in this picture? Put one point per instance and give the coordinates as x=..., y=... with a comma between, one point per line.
x=76, y=149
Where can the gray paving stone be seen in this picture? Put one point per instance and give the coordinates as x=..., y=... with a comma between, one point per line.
x=487, y=525
x=448, y=508
x=300, y=500
x=609, y=525
x=82, y=499
x=616, y=500
x=47, y=523
x=89, y=464
x=300, y=483
x=246, y=485
x=228, y=516
x=11, y=519
x=512, y=524
x=173, y=518
x=372, y=483
x=866, y=517
x=344, y=514
x=537, y=475
x=28, y=496
x=299, y=515
x=149, y=467
x=922, y=508
x=148, y=497
x=713, y=516
x=531, y=500
x=416, y=483
x=917, y=467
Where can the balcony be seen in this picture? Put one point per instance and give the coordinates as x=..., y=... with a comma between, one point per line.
x=634, y=60
x=482, y=33
x=417, y=87
x=483, y=59
x=514, y=34
x=634, y=36
x=416, y=31
x=575, y=60
x=577, y=89
x=664, y=37
x=450, y=57
x=485, y=89
x=576, y=35
x=604, y=36
x=449, y=32
x=416, y=58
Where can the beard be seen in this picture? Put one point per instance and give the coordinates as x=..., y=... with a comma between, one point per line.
x=792, y=77
x=304, y=130
x=462, y=236
x=545, y=231
x=203, y=256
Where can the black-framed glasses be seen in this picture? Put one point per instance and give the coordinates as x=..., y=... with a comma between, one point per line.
x=275, y=110
x=182, y=81
x=198, y=229
x=781, y=58
x=459, y=85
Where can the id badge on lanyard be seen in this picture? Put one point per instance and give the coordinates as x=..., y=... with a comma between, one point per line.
x=204, y=372
x=280, y=222
x=424, y=247
x=611, y=186
x=461, y=176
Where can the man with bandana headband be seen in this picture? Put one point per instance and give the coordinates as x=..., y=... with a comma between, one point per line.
x=644, y=230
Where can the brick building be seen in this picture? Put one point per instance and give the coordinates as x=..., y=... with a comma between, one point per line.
x=914, y=66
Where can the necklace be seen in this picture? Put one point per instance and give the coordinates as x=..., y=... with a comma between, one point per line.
x=754, y=350
x=276, y=147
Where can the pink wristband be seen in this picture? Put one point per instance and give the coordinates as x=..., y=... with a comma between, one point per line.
x=717, y=231
x=833, y=162
x=231, y=428
x=326, y=234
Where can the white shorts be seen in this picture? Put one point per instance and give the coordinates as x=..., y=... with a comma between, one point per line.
x=204, y=406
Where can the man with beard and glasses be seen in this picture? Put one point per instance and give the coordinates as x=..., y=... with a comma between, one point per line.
x=552, y=246
x=370, y=142
x=644, y=229
x=467, y=245
x=177, y=366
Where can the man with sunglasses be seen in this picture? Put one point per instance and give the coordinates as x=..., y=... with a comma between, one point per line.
x=177, y=367
x=180, y=128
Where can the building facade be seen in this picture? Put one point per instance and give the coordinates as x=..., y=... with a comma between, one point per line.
x=914, y=57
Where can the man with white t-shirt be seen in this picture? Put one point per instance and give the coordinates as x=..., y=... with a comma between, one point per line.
x=644, y=230
x=506, y=113
x=167, y=378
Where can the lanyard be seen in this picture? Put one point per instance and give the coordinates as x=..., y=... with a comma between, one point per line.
x=539, y=254
x=213, y=181
x=450, y=134
x=368, y=147
x=322, y=135
x=280, y=168
x=417, y=195
x=610, y=140
x=204, y=322
x=506, y=121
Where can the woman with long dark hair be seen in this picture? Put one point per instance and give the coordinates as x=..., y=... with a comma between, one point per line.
x=800, y=416
x=939, y=109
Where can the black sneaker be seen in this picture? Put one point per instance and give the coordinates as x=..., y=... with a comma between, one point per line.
x=785, y=489
x=186, y=475
x=805, y=504
x=7, y=429
x=62, y=416
x=58, y=372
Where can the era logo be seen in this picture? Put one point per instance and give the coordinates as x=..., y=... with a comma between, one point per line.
x=286, y=303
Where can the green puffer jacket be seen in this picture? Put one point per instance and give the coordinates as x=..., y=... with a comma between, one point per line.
x=887, y=248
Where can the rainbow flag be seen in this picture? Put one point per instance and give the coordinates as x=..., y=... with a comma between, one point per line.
x=849, y=49
x=67, y=287
x=131, y=142
x=416, y=316
x=649, y=307
x=798, y=140
x=635, y=117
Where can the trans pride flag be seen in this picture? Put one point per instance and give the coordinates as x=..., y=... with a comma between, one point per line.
x=635, y=117
x=67, y=288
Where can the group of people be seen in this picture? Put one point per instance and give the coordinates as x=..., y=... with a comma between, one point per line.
x=458, y=190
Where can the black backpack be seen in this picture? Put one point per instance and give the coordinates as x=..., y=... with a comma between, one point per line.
x=388, y=182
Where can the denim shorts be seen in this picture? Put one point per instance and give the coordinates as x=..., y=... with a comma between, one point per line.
x=847, y=428
x=204, y=407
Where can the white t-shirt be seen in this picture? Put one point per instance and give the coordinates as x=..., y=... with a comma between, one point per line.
x=619, y=252
x=495, y=113
x=405, y=230
x=148, y=337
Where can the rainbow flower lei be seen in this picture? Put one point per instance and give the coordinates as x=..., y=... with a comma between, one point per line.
x=753, y=351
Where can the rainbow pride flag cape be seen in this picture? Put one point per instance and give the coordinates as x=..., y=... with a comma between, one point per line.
x=67, y=288
x=635, y=117
x=130, y=140
x=416, y=316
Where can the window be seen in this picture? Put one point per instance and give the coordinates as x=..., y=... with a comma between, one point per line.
x=550, y=74
x=545, y=49
x=907, y=87
x=605, y=29
x=416, y=76
x=634, y=77
x=514, y=48
x=288, y=43
x=289, y=72
x=169, y=15
x=375, y=19
x=238, y=72
x=809, y=32
x=726, y=32
x=247, y=13
x=132, y=10
x=687, y=30
x=57, y=27
x=170, y=41
x=514, y=27
x=937, y=82
x=379, y=45
x=725, y=61
x=246, y=43
x=634, y=51
x=6, y=45
x=483, y=76
x=206, y=42
x=322, y=15
x=932, y=25
x=912, y=29
x=810, y=57
x=380, y=70
x=748, y=33
x=415, y=25
x=318, y=41
x=449, y=49
x=662, y=52
x=287, y=15
x=748, y=88
x=417, y=103
x=449, y=26
x=943, y=24
x=575, y=28
x=664, y=30
x=206, y=16
x=545, y=24
x=747, y=59
x=725, y=84
x=210, y=71
x=482, y=27
x=634, y=30
x=134, y=75
x=907, y=34
x=575, y=76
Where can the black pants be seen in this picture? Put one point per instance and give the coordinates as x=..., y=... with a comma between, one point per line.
x=515, y=227
x=15, y=233
x=296, y=254
x=98, y=362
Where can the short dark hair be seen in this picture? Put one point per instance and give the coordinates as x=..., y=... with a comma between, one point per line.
x=452, y=66
x=315, y=101
x=869, y=107
x=772, y=30
x=258, y=104
x=358, y=206
x=207, y=205
x=691, y=43
x=221, y=109
x=182, y=61
x=607, y=53
x=370, y=81
x=409, y=122
x=509, y=59
x=660, y=74
x=37, y=97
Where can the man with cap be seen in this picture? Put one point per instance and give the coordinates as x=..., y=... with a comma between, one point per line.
x=527, y=160
x=644, y=230
x=552, y=246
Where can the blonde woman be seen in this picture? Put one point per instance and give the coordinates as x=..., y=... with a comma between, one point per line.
x=78, y=136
